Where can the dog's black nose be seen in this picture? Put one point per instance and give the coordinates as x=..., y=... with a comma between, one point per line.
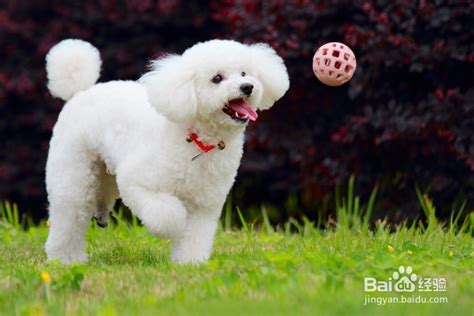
x=246, y=88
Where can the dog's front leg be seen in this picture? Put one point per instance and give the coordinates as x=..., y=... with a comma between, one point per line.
x=162, y=213
x=195, y=244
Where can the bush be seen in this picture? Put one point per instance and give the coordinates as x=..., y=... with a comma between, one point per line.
x=127, y=34
x=405, y=117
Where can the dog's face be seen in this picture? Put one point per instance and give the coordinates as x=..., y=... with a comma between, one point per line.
x=228, y=93
x=219, y=80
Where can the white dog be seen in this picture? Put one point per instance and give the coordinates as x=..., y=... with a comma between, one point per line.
x=169, y=145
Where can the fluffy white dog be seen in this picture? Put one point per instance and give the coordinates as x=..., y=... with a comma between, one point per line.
x=137, y=141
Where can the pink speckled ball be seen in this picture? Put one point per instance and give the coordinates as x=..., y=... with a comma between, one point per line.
x=334, y=64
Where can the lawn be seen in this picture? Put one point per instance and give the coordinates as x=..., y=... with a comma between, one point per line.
x=297, y=270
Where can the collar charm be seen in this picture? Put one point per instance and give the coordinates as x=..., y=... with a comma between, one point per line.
x=194, y=138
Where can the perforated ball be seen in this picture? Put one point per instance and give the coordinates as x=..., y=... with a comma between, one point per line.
x=334, y=64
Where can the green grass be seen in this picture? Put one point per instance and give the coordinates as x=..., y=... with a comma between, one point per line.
x=298, y=270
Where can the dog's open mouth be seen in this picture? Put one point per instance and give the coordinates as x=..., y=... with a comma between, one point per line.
x=240, y=111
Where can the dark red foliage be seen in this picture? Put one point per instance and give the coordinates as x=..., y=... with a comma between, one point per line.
x=127, y=33
x=406, y=117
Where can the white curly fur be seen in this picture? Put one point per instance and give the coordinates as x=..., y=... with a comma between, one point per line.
x=72, y=66
x=128, y=139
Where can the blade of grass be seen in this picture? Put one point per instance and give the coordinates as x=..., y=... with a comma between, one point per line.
x=350, y=194
x=228, y=214
x=266, y=221
x=370, y=208
x=454, y=221
x=242, y=219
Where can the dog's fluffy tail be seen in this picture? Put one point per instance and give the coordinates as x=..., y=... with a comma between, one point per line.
x=72, y=65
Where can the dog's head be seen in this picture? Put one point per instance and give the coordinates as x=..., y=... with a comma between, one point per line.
x=220, y=80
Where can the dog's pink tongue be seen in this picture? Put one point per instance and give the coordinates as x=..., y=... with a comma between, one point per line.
x=243, y=109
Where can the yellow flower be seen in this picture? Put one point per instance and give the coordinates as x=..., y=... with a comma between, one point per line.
x=45, y=276
x=390, y=248
x=48, y=224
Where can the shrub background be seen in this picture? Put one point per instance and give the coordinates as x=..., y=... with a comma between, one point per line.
x=406, y=118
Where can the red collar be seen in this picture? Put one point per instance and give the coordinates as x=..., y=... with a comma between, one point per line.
x=194, y=138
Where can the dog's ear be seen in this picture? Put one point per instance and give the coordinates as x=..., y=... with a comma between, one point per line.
x=271, y=72
x=171, y=88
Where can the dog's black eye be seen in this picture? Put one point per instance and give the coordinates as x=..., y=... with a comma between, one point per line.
x=216, y=79
x=243, y=73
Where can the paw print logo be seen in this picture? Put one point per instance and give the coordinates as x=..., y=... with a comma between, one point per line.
x=405, y=279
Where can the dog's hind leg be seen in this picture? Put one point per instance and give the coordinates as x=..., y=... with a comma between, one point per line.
x=72, y=183
x=107, y=195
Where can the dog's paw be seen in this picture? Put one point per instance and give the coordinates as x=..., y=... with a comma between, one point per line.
x=69, y=258
x=189, y=258
x=167, y=218
x=190, y=251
